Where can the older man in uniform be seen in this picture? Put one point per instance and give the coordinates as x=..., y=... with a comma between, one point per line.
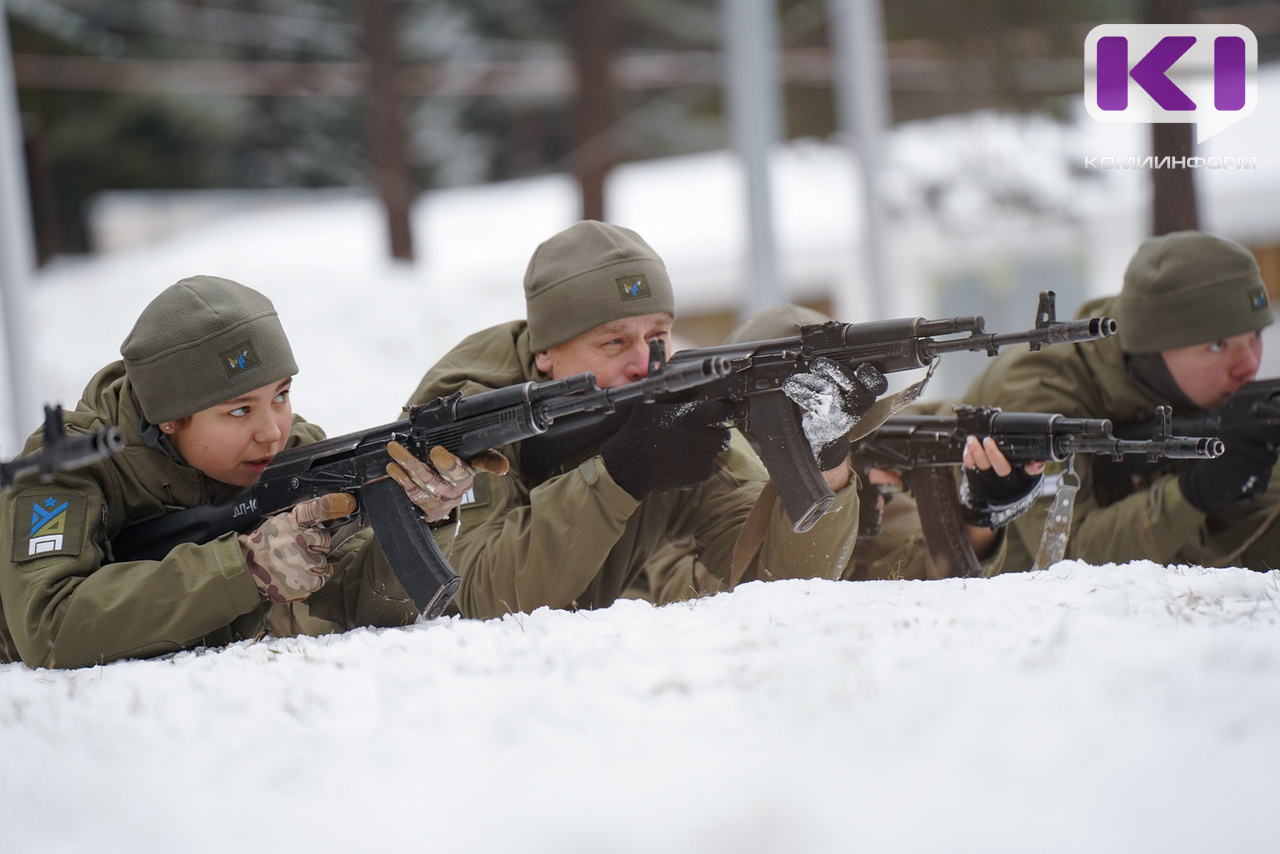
x=671, y=476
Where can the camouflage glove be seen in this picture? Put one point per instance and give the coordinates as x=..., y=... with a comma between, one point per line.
x=287, y=555
x=667, y=446
x=438, y=489
x=833, y=399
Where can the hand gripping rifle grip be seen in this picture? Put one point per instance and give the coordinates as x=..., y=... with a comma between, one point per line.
x=786, y=453
x=412, y=553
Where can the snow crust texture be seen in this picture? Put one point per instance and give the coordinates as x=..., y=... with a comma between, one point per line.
x=1116, y=708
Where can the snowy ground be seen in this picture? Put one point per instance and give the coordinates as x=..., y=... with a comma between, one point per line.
x=1079, y=709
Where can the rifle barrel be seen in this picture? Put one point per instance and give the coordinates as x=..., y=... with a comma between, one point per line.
x=64, y=454
x=1066, y=332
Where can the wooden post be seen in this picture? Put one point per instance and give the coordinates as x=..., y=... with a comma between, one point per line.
x=1173, y=190
x=385, y=133
x=593, y=37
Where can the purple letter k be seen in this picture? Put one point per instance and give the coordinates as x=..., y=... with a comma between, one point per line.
x=1149, y=73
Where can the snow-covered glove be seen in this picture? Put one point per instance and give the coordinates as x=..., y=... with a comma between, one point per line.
x=988, y=500
x=667, y=445
x=1242, y=472
x=833, y=399
x=287, y=555
x=437, y=489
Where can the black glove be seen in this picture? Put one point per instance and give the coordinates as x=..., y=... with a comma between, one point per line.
x=833, y=399
x=1243, y=471
x=988, y=500
x=667, y=445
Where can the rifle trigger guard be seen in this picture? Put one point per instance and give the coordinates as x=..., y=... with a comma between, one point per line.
x=341, y=530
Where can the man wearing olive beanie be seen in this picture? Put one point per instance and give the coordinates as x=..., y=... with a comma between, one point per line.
x=578, y=536
x=1190, y=316
x=590, y=274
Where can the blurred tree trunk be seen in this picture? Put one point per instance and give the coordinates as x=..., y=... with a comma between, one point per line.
x=594, y=37
x=1173, y=198
x=385, y=132
x=44, y=206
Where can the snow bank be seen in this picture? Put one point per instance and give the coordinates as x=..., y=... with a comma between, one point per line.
x=1081, y=708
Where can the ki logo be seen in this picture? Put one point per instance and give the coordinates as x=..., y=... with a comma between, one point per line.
x=1201, y=73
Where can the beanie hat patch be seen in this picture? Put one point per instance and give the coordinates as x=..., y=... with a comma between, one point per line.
x=240, y=358
x=1258, y=299
x=633, y=287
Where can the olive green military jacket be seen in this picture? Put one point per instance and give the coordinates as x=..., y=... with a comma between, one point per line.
x=578, y=539
x=1118, y=516
x=67, y=604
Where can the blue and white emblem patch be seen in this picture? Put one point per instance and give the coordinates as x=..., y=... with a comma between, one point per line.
x=48, y=522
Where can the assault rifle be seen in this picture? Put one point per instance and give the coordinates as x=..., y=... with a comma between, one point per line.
x=357, y=463
x=907, y=442
x=925, y=448
x=60, y=453
x=759, y=368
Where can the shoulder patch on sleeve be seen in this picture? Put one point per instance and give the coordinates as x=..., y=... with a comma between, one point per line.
x=48, y=522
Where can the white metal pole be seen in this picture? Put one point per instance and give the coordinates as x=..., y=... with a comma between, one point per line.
x=862, y=88
x=17, y=258
x=754, y=103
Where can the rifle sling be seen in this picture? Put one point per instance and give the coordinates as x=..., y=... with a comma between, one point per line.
x=887, y=406
x=1057, y=525
x=751, y=534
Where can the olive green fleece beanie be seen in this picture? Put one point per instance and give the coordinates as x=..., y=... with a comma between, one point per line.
x=780, y=321
x=1189, y=288
x=590, y=274
x=203, y=341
